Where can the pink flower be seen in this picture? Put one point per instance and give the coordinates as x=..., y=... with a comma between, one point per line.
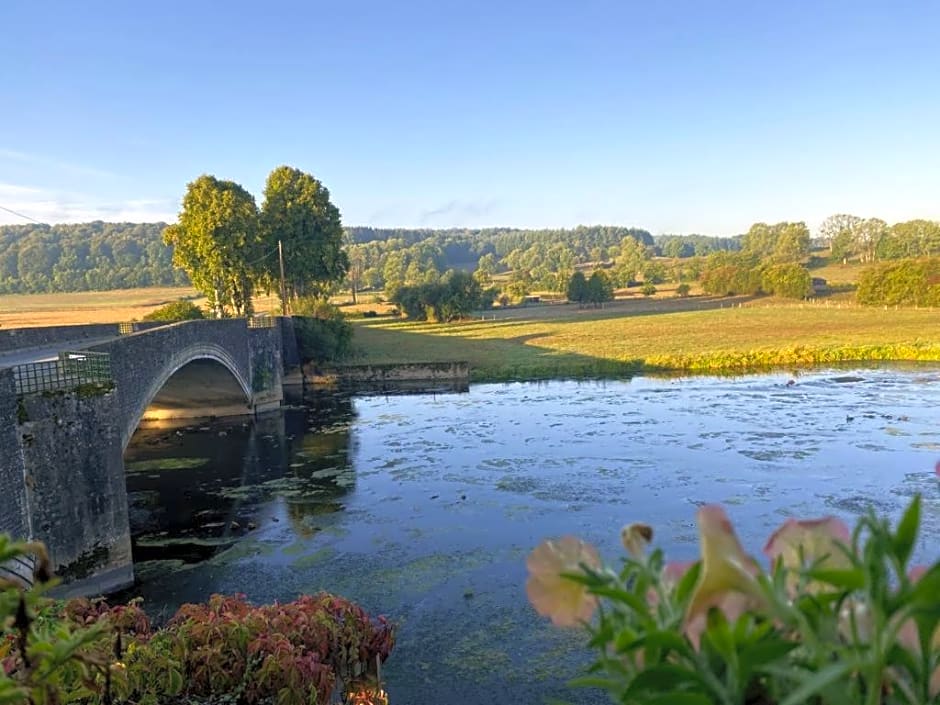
x=728, y=574
x=565, y=601
x=801, y=544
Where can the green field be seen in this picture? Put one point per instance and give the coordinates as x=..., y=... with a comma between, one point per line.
x=563, y=341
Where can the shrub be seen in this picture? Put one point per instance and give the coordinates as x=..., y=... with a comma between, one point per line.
x=224, y=651
x=182, y=310
x=322, y=340
x=648, y=289
x=683, y=290
x=914, y=282
x=791, y=281
x=370, y=314
x=838, y=617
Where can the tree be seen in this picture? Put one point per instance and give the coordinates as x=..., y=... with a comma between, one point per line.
x=216, y=242
x=868, y=235
x=779, y=243
x=486, y=268
x=599, y=288
x=839, y=233
x=297, y=212
x=577, y=288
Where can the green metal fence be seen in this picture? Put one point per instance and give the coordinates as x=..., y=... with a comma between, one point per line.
x=70, y=370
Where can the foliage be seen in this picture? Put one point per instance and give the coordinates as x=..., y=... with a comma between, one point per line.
x=836, y=617
x=779, y=243
x=648, y=289
x=181, y=310
x=85, y=256
x=599, y=288
x=323, y=333
x=577, y=288
x=216, y=242
x=455, y=295
x=297, y=212
x=226, y=650
x=903, y=282
x=791, y=281
x=683, y=290
x=730, y=274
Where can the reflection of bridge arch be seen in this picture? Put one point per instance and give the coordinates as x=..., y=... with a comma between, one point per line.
x=177, y=361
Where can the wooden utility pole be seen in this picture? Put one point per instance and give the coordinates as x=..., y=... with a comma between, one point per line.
x=280, y=256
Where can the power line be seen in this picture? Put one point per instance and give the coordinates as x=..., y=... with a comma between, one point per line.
x=21, y=215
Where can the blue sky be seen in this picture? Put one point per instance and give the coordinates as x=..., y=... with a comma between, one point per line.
x=673, y=116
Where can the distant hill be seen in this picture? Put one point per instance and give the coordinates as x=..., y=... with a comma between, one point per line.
x=38, y=258
x=85, y=256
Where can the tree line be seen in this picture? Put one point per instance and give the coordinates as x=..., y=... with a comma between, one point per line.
x=767, y=258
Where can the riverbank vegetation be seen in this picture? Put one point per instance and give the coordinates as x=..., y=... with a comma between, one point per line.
x=312, y=649
x=693, y=334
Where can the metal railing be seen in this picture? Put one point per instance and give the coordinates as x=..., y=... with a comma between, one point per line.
x=262, y=321
x=71, y=370
x=126, y=328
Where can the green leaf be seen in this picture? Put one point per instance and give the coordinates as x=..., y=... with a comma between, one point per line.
x=663, y=678
x=756, y=656
x=817, y=682
x=634, y=602
x=852, y=579
x=175, y=682
x=678, y=699
x=688, y=582
x=906, y=534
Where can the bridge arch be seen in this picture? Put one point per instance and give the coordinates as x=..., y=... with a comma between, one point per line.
x=176, y=362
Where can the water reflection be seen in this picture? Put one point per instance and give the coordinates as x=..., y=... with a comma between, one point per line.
x=195, y=489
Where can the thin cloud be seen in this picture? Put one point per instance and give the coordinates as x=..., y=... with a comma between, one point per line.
x=50, y=163
x=460, y=211
x=48, y=207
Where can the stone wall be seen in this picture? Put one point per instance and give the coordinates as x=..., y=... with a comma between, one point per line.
x=267, y=367
x=410, y=372
x=14, y=512
x=71, y=445
x=25, y=338
x=290, y=353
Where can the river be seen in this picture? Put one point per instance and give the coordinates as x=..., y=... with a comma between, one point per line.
x=424, y=507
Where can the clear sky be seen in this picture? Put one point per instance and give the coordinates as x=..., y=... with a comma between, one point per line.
x=674, y=116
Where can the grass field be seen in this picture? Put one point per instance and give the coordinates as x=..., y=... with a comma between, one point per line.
x=28, y=310
x=563, y=341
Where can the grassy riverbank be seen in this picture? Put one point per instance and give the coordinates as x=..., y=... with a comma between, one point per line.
x=563, y=341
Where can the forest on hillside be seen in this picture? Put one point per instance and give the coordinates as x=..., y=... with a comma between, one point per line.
x=98, y=255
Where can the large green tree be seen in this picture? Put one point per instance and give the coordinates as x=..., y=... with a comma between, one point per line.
x=216, y=242
x=297, y=212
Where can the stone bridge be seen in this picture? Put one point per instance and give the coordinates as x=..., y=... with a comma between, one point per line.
x=64, y=425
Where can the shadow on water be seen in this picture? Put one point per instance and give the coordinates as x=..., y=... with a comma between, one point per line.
x=195, y=490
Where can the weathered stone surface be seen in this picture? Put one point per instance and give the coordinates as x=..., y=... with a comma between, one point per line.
x=71, y=446
x=14, y=512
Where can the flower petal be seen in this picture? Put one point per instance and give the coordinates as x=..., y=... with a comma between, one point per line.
x=801, y=543
x=726, y=569
x=565, y=601
x=635, y=538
